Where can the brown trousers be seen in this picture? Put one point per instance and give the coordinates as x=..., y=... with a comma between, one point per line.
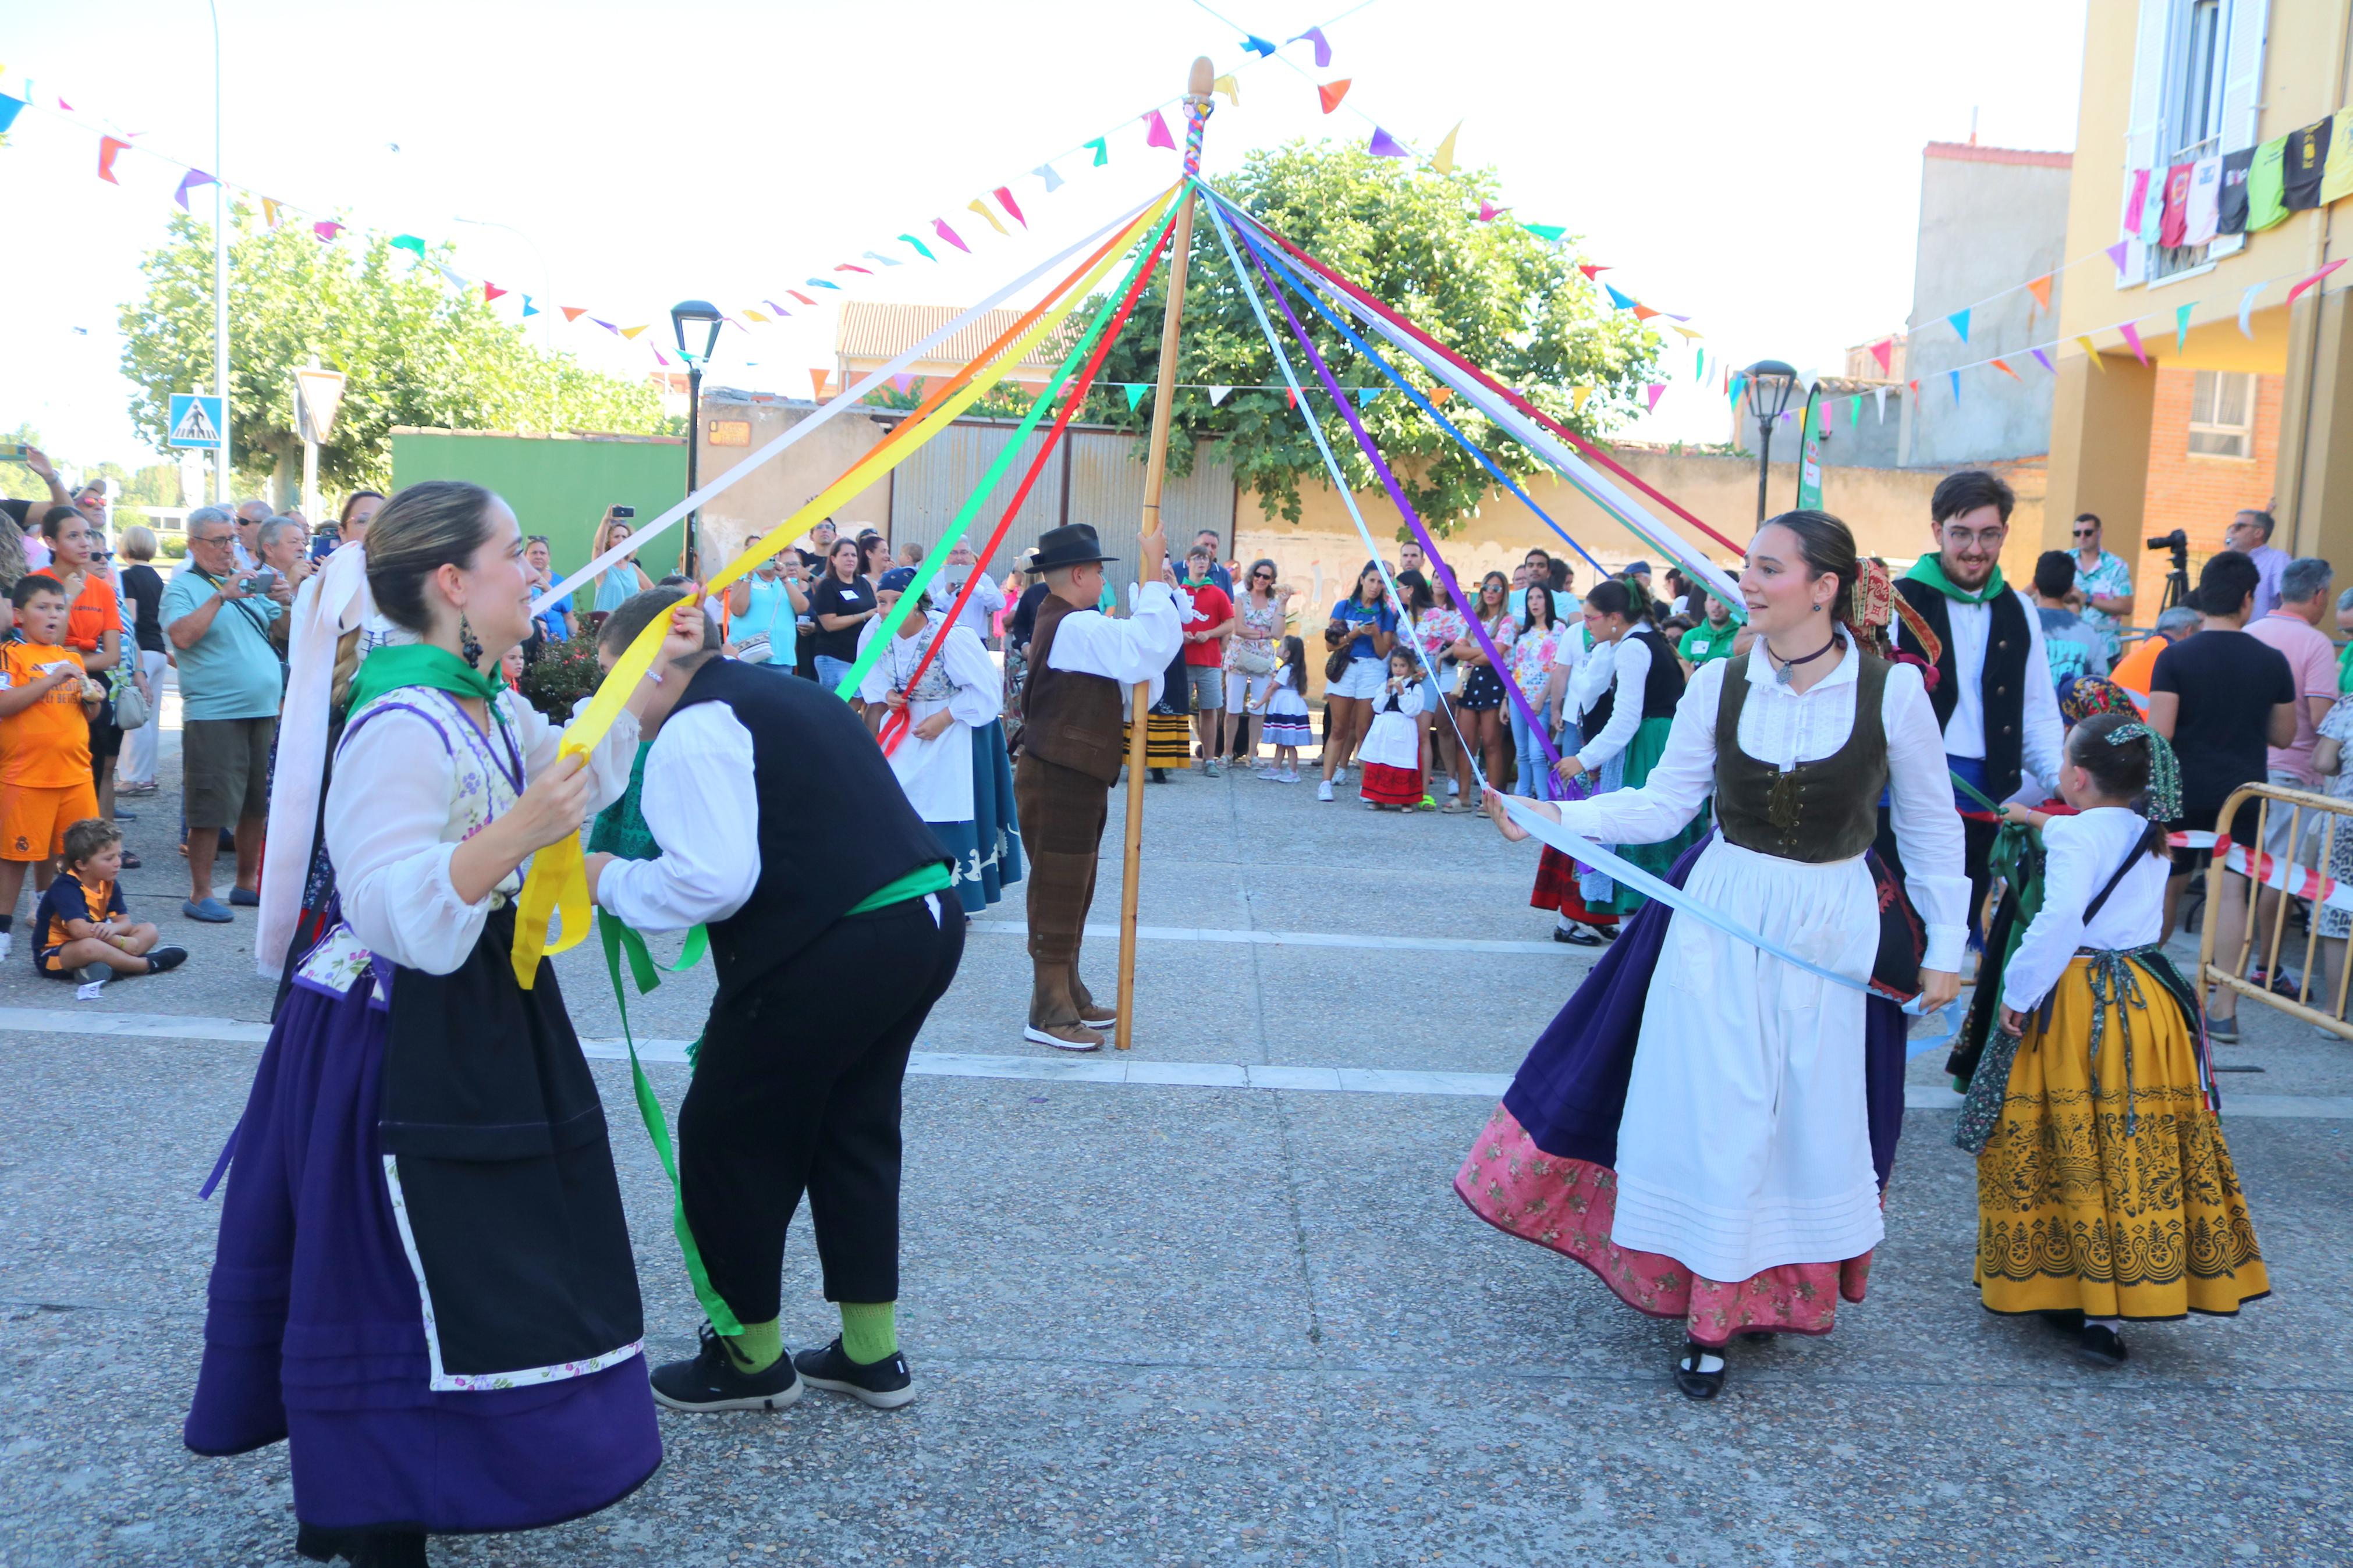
x=1061, y=812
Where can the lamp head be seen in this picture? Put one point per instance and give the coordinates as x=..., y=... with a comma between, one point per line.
x=1770, y=383
x=696, y=314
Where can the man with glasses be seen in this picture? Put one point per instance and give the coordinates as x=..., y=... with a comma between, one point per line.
x=2250, y=534
x=980, y=615
x=2105, y=581
x=1207, y=540
x=219, y=625
x=1993, y=696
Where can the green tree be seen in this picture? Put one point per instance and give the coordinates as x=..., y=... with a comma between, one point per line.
x=415, y=350
x=1493, y=291
x=18, y=482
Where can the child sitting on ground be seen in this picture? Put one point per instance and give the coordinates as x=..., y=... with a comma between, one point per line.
x=1286, y=726
x=1391, y=750
x=80, y=931
x=46, y=700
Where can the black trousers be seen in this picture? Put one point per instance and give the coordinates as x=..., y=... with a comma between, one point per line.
x=1977, y=849
x=797, y=1090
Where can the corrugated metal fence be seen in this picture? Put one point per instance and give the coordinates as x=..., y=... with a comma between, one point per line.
x=1095, y=477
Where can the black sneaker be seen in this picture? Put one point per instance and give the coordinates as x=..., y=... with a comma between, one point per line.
x=885, y=1385
x=2101, y=1346
x=160, y=959
x=712, y=1381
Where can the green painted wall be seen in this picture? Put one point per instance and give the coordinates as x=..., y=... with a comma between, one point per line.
x=558, y=486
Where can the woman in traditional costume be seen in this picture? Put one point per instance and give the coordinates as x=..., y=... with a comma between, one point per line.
x=2105, y=1192
x=1722, y=1172
x=423, y=1280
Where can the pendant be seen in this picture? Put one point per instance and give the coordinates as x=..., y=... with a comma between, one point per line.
x=1783, y=676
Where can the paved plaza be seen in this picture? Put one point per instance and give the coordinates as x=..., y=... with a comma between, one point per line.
x=1214, y=1302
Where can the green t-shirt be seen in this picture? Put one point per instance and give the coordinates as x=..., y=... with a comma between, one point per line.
x=1704, y=642
x=2266, y=187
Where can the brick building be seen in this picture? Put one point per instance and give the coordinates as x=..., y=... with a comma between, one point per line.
x=2213, y=446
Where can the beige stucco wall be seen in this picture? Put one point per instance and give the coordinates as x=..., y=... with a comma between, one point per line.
x=773, y=492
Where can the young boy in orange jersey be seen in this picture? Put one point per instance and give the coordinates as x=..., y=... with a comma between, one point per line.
x=80, y=928
x=46, y=700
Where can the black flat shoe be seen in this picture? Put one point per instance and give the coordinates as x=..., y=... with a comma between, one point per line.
x=1694, y=1383
x=2101, y=1346
x=1575, y=936
x=362, y=1548
x=711, y=1381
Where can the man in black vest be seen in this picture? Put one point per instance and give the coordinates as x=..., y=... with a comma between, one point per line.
x=830, y=948
x=1993, y=692
x=1081, y=663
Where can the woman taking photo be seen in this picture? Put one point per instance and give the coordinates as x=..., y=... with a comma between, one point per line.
x=842, y=603
x=1364, y=624
x=617, y=583
x=142, y=585
x=1478, y=707
x=1696, y=1126
x=1252, y=654
x=1532, y=652
x=763, y=611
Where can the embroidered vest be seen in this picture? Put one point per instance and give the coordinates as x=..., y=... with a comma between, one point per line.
x=1661, y=690
x=1816, y=812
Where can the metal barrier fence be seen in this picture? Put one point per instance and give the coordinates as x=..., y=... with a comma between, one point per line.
x=2292, y=867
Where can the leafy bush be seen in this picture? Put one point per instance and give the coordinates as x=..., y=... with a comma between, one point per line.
x=561, y=677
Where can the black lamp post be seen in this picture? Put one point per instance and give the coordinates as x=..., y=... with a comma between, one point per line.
x=700, y=313
x=1769, y=384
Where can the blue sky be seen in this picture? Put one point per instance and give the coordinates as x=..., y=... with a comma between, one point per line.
x=1754, y=167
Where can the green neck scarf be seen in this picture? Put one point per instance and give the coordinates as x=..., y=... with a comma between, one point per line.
x=396, y=665
x=1930, y=569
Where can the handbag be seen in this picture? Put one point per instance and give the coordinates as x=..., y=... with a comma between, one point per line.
x=755, y=650
x=1252, y=661
x=1336, y=667
x=130, y=709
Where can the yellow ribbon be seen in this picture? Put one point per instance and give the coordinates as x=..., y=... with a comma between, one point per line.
x=557, y=884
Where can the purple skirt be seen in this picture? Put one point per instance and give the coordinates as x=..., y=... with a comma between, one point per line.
x=314, y=1331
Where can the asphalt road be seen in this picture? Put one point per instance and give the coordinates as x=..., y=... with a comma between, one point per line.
x=1235, y=1318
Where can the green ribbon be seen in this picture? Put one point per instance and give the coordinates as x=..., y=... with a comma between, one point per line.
x=396, y=665
x=1930, y=569
x=619, y=939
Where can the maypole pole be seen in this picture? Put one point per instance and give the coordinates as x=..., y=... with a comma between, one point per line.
x=1197, y=105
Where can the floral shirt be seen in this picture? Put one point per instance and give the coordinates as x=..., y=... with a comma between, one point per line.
x=1256, y=627
x=1438, y=631
x=1531, y=655
x=2338, y=726
x=2111, y=577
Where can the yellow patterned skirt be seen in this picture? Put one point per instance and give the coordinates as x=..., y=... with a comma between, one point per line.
x=1167, y=740
x=2077, y=1208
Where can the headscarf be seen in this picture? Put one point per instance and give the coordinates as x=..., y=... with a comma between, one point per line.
x=1873, y=605
x=2081, y=696
x=2162, y=803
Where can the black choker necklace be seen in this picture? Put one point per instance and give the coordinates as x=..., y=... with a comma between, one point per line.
x=1782, y=674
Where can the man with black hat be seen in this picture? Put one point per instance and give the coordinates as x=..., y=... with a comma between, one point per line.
x=1081, y=663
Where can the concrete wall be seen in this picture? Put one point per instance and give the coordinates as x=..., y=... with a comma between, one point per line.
x=779, y=489
x=1875, y=443
x=1985, y=226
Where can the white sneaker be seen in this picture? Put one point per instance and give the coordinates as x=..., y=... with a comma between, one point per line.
x=1452, y=787
x=5, y=938
x=1290, y=775
x=1323, y=792
x=1272, y=775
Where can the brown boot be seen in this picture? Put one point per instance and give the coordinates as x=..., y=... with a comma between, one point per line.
x=1064, y=1037
x=1054, y=1017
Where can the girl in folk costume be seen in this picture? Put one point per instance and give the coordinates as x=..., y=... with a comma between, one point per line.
x=423, y=1281
x=951, y=760
x=1698, y=1124
x=2105, y=1189
x=1287, y=726
x=1392, y=750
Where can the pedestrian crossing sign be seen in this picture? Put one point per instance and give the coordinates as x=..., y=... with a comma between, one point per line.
x=195, y=421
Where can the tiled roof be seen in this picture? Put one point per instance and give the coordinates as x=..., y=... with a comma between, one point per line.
x=872, y=331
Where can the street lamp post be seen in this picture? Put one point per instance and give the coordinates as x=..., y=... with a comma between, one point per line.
x=702, y=313
x=1770, y=383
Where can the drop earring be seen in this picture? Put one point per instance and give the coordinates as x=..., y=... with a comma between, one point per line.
x=469, y=645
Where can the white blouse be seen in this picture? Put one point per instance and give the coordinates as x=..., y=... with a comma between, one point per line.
x=1783, y=726
x=2082, y=853
x=1135, y=651
x=410, y=785
x=1627, y=663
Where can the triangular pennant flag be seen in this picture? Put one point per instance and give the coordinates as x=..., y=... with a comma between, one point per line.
x=1438, y=394
x=1550, y=232
x=852, y=266
x=490, y=292
x=1739, y=384
x=1880, y=393
x=189, y=182
x=1442, y=160
x=1156, y=131
x=1219, y=394
x=1258, y=46
x=817, y=379
x=1134, y=390
x=797, y=294
x=529, y=310
x=1591, y=269
x=1577, y=398
x=2131, y=340
x=1323, y=50
x=1618, y=301
x=2043, y=359
x=1826, y=417
x=885, y=260
x=2300, y=288
x=1364, y=395
x=1955, y=377
x=2247, y=309
x=1643, y=312
x=2003, y=365
x=326, y=229
x=940, y=227
x=902, y=381
x=821, y=283
x=1488, y=211
x=2093, y=353
x=10, y=109
x=1004, y=194
x=1689, y=332
x=269, y=211
x=1231, y=88
x=606, y=325
x=1332, y=92
x=1101, y=144
x=1914, y=387
x=631, y=332
x=1384, y=145
x=109, y=147
x=2041, y=289
x=64, y=105
x=1046, y=172
x=451, y=276
x=1884, y=350
x=1699, y=363
x=409, y=242
x=976, y=204
x=573, y=312
x=2181, y=327
x=922, y=249
x=755, y=315
x=660, y=358
x=2117, y=253
x=1854, y=407
x=1656, y=390
x=1291, y=397
x=1960, y=319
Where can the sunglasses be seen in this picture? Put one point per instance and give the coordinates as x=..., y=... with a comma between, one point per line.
x=2086, y=532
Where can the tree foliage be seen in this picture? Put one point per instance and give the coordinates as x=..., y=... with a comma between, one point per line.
x=1493, y=291
x=414, y=350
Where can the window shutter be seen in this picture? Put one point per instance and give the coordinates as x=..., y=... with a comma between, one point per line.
x=2243, y=82
x=2141, y=128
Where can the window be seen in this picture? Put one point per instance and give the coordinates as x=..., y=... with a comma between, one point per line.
x=2223, y=415
x=2191, y=126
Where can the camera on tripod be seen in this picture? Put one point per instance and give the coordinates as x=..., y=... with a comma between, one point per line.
x=2177, y=581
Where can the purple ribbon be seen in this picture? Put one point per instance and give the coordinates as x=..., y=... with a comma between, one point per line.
x=1412, y=518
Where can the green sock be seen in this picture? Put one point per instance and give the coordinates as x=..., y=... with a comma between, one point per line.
x=759, y=1347
x=870, y=1330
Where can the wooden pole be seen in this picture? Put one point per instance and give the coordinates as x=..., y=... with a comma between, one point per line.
x=1197, y=104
